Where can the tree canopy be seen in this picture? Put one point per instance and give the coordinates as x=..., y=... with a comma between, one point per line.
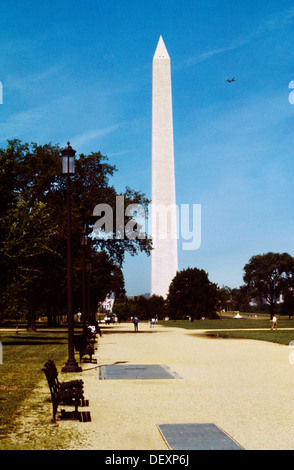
x=191, y=293
x=33, y=229
x=268, y=276
x=142, y=306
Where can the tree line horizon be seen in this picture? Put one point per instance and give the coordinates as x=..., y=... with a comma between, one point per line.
x=191, y=293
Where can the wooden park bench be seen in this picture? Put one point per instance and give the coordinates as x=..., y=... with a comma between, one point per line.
x=85, y=346
x=70, y=393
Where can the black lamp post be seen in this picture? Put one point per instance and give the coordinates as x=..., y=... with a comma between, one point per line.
x=68, y=169
x=89, y=267
x=84, y=241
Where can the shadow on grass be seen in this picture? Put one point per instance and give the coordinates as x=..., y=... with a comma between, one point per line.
x=31, y=343
x=213, y=335
x=24, y=339
x=30, y=340
x=121, y=332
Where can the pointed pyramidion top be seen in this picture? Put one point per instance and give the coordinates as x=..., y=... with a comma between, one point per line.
x=161, y=51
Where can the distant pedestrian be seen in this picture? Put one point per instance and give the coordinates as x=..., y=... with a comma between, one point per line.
x=97, y=329
x=275, y=323
x=153, y=322
x=136, y=321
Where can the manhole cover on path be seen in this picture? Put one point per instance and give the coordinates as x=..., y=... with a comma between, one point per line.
x=136, y=371
x=205, y=436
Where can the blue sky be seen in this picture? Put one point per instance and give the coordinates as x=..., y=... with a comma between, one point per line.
x=82, y=71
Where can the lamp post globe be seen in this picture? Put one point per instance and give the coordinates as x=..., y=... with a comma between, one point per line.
x=68, y=160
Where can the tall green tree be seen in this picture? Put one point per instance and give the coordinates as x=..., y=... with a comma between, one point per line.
x=157, y=306
x=26, y=249
x=224, y=298
x=241, y=298
x=33, y=227
x=191, y=293
x=269, y=275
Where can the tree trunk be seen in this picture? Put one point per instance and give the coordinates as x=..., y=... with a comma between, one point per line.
x=272, y=308
x=31, y=317
x=55, y=315
x=49, y=316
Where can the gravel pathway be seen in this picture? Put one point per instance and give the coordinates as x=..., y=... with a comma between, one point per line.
x=243, y=386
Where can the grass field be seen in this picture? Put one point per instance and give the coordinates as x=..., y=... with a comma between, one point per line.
x=24, y=355
x=247, y=328
x=229, y=324
x=280, y=336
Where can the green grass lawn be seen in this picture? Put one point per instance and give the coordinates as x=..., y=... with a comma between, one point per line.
x=228, y=324
x=24, y=355
x=280, y=336
x=259, y=329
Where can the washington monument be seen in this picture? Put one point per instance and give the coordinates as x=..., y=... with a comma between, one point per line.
x=164, y=256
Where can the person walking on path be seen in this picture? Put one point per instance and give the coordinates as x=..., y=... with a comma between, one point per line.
x=136, y=321
x=275, y=323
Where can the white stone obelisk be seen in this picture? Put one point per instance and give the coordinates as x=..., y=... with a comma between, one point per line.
x=164, y=256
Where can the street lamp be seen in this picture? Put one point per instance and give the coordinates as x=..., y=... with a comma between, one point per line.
x=89, y=267
x=84, y=241
x=68, y=169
